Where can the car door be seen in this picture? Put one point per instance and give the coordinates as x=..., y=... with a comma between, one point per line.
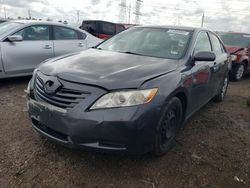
x=67, y=40
x=220, y=67
x=201, y=74
x=22, y=57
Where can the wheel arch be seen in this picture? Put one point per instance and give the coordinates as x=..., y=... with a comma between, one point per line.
x=245, y=63
x=182, y=95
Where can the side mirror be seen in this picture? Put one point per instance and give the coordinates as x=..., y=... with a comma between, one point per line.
x=15, y=38
x=204, y=56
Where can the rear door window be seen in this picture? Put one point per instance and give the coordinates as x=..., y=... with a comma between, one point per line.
x=217, y=46
x=64, y=33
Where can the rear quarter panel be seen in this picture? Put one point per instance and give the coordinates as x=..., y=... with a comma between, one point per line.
x=1, y=63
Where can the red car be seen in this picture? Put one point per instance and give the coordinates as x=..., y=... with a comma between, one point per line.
x=102, y=29
x=238, y=44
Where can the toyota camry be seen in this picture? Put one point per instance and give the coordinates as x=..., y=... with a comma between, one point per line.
x=130, y=93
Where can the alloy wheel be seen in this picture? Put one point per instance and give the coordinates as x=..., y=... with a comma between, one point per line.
x=240, y=72
x=224, y=87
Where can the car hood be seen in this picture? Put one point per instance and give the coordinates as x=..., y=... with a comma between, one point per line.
x=232, y=49
x=110, y=70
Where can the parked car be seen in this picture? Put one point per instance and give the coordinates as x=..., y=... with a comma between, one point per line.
x=2, y=20
x=102, y=29
x=129, y=95
x=25, y=44
x=238, y=44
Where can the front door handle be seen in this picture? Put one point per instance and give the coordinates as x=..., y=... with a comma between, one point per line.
x=47, y=47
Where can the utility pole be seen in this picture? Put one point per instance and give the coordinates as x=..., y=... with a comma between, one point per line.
x=78, y=16
x=5, y=15
x=137, y=11
x=29, y=14
x=202, y=19
x=123, y=11
x=129, y=13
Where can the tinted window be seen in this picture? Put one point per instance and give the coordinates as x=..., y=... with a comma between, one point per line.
x=107, y=28
x=37, y=32
x=63, y=33
x=119, y=28
x=89, y=26
x=83, y=36
x=154, y=42
x=217, y=48
x=202, y=43
x=234, y=39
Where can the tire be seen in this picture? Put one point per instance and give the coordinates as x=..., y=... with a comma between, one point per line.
x=237, y=72
x=170, y=121
x=223, y=91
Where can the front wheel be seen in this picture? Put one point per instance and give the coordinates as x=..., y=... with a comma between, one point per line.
x=170, y=121
x=237, y=72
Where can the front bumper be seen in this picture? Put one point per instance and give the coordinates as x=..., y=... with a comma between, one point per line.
x=124, y=130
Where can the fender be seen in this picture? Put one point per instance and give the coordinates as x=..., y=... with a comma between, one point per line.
x=243, y=58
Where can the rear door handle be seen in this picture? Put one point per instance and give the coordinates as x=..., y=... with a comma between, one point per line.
x=47, y=47
x=215, y=67
x=80, y=44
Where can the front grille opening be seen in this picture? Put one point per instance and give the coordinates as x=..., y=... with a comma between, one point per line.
x=49, y=131
x=63, y=98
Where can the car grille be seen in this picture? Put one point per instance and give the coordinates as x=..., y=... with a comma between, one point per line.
x=63, y=98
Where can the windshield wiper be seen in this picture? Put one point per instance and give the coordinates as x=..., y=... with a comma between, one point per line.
x=98, y=48
x=133, y=53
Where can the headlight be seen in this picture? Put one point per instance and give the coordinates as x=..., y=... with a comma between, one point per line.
x=32, y=81
x=233, y=57
x=124, y=98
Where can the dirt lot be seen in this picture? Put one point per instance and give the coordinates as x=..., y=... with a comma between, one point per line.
x=212, y=151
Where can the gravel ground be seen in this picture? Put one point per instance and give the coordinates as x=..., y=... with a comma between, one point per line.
x=212, y=150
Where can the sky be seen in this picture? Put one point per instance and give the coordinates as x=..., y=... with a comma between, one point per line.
x=219, y=15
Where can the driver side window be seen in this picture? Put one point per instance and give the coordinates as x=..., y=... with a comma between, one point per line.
x=31, y=33
x=202, y=43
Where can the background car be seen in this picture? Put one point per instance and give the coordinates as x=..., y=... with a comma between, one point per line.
x=238, y=44
x=102, y=29
x=129, y=95
x=2, y=20
x=25, y=44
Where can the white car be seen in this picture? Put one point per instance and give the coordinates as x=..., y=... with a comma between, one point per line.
x=24, y=44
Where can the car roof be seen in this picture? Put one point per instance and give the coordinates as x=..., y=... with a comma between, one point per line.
x=34, y=22
x=102, y=21
x=40, y=22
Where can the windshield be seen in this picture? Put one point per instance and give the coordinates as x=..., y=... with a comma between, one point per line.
x=231, y=39
x=7, y=26
x=154, y=42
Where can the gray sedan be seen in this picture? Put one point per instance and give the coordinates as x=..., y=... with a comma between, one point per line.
x=25, y=44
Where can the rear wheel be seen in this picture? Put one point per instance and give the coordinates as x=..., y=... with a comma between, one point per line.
x=223, y=91
x=238, y=72
x=169, y=122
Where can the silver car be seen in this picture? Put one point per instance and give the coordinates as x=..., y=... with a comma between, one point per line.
x=25, y=44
